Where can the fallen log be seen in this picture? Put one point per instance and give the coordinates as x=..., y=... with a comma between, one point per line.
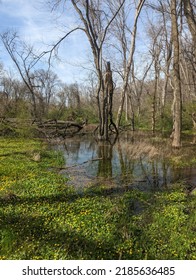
x=58, y=128
x=61, y=125
x=49, y=128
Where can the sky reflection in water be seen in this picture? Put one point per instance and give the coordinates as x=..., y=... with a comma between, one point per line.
x=132, y=162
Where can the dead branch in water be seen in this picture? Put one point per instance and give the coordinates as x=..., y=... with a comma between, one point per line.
x=78, y=164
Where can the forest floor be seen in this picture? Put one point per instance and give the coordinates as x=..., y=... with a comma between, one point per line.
x=41, y=217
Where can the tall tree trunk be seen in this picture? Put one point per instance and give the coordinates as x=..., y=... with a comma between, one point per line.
x=155, y=94
x=191, y=20
x=129, y=63
x=177, y=103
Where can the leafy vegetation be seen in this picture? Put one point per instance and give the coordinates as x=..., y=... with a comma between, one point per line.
x=43, y=218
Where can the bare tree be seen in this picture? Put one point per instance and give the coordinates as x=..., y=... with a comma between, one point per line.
x=24, y=59
x=155, y=52
x=129, y=61
x=191, y=20
x=188, y=60
x=177, y=102
x=46, y=84
x=96, y=23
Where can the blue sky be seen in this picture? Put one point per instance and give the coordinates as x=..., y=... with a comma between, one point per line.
x=36, y=25
x=39, y=27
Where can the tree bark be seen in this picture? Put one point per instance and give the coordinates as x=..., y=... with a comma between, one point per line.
x=191, y=20
x=177, y=101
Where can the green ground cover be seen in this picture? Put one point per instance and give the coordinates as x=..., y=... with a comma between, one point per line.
x=43, y=218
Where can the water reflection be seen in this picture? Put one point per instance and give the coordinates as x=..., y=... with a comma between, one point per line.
x=105, y=153
x=130, y=163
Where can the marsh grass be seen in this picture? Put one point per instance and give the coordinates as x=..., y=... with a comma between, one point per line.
x=43, y=218
x=160, y=147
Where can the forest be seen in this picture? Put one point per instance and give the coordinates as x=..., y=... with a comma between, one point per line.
x=104, y=166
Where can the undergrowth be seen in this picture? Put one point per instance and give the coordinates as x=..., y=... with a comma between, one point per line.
x=43, y=218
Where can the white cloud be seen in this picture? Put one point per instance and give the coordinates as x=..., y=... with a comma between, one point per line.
x=31, y=22
x=40, y=28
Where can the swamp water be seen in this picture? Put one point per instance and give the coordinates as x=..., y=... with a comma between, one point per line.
x=134, y=161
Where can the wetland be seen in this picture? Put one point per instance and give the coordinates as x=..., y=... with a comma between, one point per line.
x=84, y=200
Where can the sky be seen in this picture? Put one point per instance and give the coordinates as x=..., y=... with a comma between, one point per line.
x=39, y=27
x=35, y=24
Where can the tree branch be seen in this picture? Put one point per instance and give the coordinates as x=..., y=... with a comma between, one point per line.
x=57, y=44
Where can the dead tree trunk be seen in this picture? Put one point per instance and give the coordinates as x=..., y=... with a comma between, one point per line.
x=107, y=125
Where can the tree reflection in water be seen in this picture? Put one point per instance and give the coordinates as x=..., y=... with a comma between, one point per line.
x=105, y=152
x=132, y=162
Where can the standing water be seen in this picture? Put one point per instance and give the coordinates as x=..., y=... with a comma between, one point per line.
x=134, y=161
